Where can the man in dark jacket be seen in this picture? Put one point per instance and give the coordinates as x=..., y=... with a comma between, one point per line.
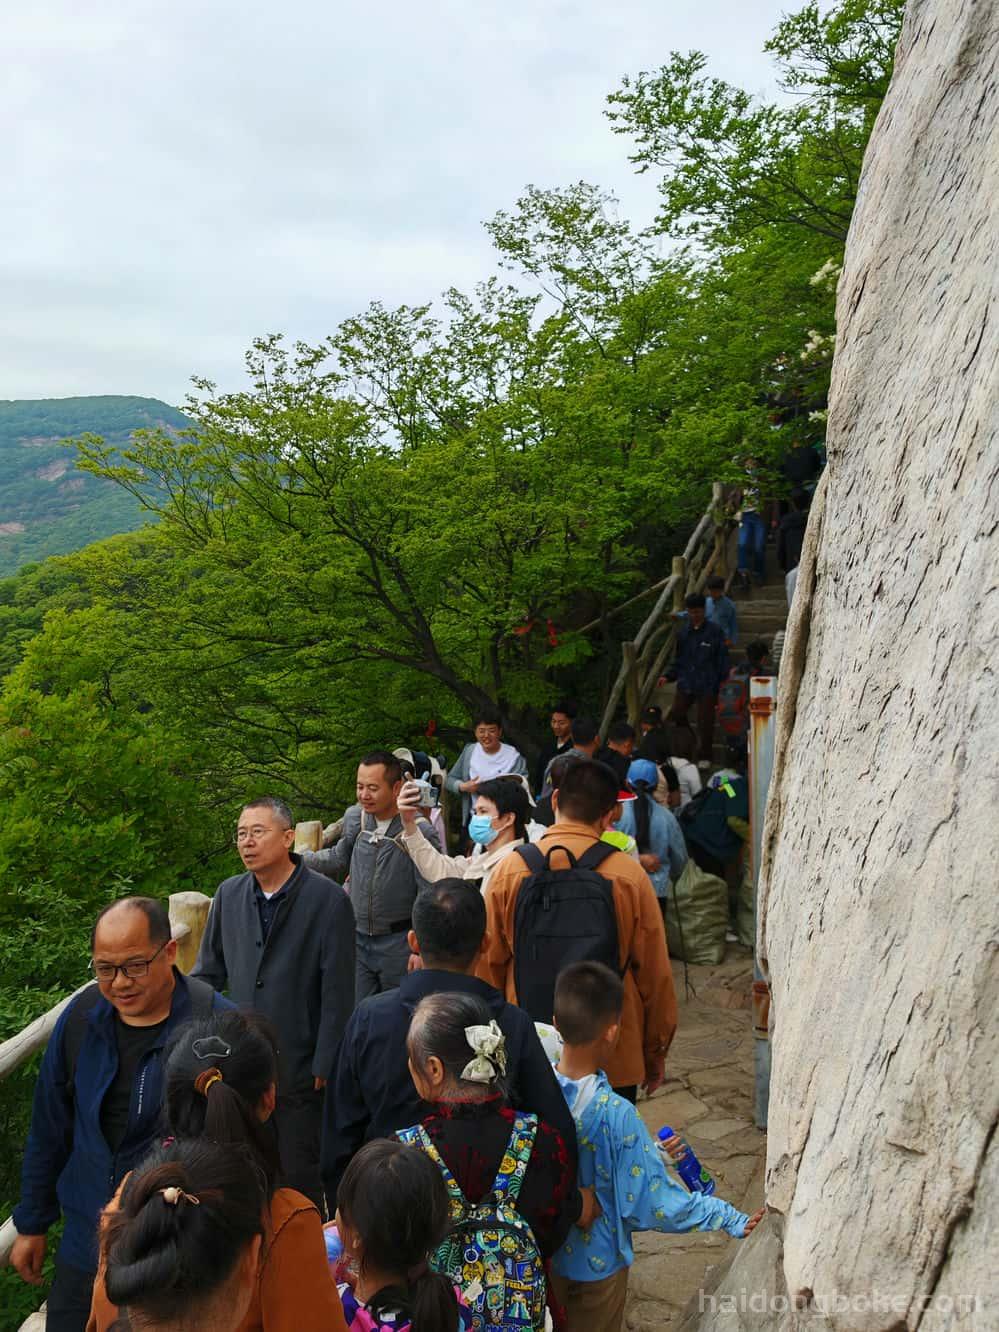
x=280, y=939
x=97, y=1099
x=701, y=664
x=371, y=1093
x=383, y=879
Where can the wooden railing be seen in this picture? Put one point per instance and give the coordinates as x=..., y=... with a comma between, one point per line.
x=645, y=656
x=188, y=916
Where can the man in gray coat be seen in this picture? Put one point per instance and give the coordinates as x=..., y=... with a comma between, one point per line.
x=383, y=881
x=280, y=940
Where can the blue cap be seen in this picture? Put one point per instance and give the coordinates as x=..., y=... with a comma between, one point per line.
x=643, y=770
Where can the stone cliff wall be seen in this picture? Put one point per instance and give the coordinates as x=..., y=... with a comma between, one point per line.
x=881, y=860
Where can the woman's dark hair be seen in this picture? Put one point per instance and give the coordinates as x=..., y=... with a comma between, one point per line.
x=217, y=1072
x=438, y=1028
x=394, y=1197
x=165, y=1254
x=509, y=797
x=486, y=717
x=643, y=813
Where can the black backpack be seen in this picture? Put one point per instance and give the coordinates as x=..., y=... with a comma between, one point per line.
x=561, y=916
x=202, y=999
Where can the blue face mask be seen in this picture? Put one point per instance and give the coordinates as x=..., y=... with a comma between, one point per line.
x=481, y=830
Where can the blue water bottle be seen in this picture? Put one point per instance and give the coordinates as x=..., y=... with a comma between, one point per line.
x=687, y=1166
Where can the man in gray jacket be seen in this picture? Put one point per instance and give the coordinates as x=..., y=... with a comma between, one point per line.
x=280, y=940
x=383, y=880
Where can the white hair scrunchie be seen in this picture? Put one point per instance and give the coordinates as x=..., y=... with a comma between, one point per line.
x=490, y=1053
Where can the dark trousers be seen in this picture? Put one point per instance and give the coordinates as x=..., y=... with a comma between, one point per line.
x=705, y=718
x=68, y=1305
x=298, y=1122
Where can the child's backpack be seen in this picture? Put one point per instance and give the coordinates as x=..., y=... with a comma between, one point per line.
x=561, y=916
x=490, y=1252
x=733, y=703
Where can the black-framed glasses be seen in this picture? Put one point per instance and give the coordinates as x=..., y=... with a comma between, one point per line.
x=106, y=971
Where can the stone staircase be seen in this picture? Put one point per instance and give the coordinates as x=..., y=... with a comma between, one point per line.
x=762, y=613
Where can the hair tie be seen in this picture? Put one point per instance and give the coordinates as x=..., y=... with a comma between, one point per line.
x=173, y=1195
x=490, y=1053
x=207, y=1079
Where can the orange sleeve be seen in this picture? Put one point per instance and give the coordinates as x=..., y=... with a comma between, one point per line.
x=297, y=1292
x=652, y=971
x=494, y=962
x=103, y=1314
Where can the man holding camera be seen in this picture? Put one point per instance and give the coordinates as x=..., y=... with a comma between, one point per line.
x=383, y=879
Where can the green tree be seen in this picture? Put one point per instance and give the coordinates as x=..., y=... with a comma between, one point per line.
x=732, y=164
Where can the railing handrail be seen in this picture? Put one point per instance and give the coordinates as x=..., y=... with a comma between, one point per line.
x=640, y=669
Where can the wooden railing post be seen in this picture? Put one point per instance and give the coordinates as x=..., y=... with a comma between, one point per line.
x=680, y=583
x=632, y=684
x=309, y=835
x=720, y=561
x=190, y=909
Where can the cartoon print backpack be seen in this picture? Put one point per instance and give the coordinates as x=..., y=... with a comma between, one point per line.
x=490, y=1252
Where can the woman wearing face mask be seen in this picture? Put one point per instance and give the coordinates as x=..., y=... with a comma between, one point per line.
x=498, y=825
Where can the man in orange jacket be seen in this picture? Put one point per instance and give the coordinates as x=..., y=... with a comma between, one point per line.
x=584, y=807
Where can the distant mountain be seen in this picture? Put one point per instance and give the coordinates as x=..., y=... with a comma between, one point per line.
x=47, y=507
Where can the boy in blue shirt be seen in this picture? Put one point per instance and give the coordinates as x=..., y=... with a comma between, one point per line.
x=618, y=1157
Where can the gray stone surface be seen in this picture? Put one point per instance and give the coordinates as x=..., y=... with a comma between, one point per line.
x=881, y=853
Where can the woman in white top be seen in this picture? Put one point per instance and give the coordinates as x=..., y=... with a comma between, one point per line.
x=497, y=827
x=488, y=757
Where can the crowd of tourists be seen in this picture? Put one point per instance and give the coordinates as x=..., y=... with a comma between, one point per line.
x=397, y=1089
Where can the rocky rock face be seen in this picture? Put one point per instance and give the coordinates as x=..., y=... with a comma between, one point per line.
x=881, y=860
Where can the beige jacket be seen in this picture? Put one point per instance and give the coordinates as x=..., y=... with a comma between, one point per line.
x=432, y=864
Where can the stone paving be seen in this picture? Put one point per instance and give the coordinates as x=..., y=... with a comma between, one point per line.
x=708, y=1096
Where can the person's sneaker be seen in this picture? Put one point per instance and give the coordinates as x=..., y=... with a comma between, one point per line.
x=704, y=765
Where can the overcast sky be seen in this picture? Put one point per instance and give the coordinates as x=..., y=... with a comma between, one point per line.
x=179, y=177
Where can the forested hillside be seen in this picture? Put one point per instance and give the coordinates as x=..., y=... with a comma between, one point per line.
x=47, y=507
x=428, y=510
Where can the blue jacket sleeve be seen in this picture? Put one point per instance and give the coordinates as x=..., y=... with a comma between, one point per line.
x=648, y=1198
x=50, y=1140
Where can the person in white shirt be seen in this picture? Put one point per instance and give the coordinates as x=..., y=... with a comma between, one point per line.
x=497, y=827
x=483, y=760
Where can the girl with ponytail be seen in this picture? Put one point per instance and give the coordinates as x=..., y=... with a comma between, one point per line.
x=183, y=1247
x=392, y=1213
x=221, y=1087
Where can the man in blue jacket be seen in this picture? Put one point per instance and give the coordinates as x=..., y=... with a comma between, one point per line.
x=98, y=1096
x=701, y=664
x=371, y=1093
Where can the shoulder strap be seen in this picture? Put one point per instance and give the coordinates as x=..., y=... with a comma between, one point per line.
x=419, y=1137
x=513, y=1167
x=532, y=856
x=76, y=1028
x=596, y=855
x=202, y=997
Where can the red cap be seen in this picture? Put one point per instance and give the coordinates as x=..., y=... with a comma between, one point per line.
x=624, y=796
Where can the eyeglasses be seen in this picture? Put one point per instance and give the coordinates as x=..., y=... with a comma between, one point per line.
x=106, y=971
x=245, y=834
